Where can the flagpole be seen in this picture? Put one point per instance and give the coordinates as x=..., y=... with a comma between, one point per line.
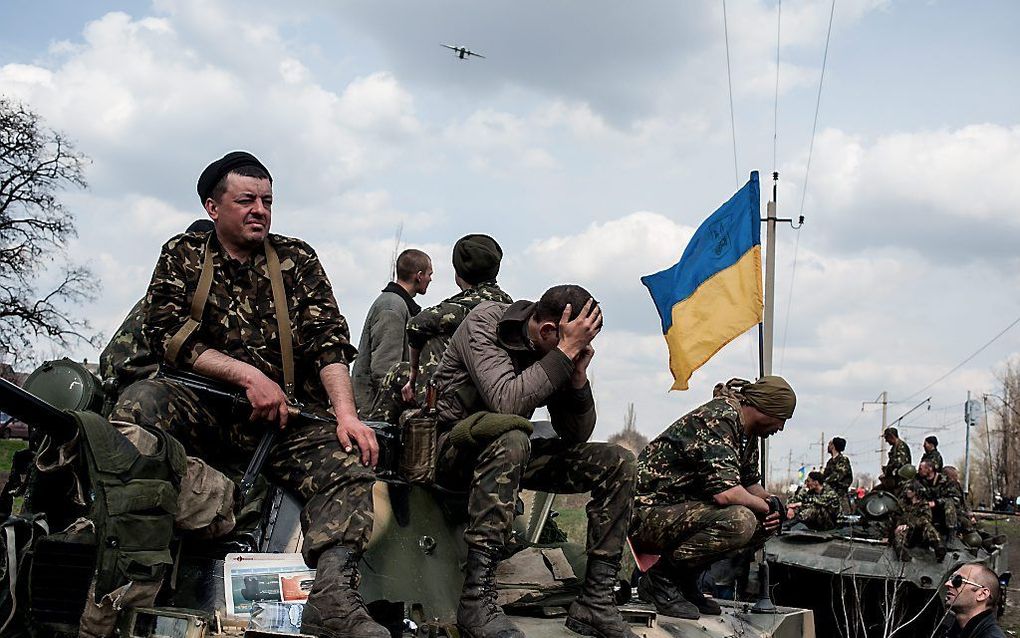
x=767, y=327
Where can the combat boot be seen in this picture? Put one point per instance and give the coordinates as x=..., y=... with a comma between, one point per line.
x=940, y=553
x=594, y=613
x=657, y=587
x=335, y=609
x=688, y=582
x=478, y=614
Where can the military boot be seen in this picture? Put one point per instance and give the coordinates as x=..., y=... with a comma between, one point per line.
x=478, y=615
x=594, y=613
x=657, y=587
x=335, y=609
x=688, y=583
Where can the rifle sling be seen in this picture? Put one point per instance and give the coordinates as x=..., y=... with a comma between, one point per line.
x=198, y=302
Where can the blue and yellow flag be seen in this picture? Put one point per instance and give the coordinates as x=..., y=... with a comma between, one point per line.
x=714, y=293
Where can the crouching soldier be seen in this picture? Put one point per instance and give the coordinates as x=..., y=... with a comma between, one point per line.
x=699, y=493
x=504, y=361
x=817, y=505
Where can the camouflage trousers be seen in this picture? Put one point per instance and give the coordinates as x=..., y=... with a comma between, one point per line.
x=494, y=475
x=307, y=459
x=389, y=404
x=915, y=532
x=816, y=517
x=946, y=517
x=694, y=534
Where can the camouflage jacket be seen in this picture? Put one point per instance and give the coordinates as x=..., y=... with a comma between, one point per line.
x=899, y=455
x=239, y=319
x=127, y=358
x=838, y=474
x=935, y=458
x=914, y=514
x=826, y=502
x=700, y=455
x=430, y=330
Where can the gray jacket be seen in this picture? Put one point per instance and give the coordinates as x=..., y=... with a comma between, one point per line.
x=491, y=366
x=383, y=343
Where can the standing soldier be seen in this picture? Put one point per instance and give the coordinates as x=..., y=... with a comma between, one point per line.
x=899, y=455
x=931, y=453
x=699, y=495
x=838, y=472
x=817, y=506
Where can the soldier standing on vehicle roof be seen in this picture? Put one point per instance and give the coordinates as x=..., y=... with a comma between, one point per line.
x=384, y=336
x=503, y=362
x=817, y=506
x=899, y=455
x=476, y=261
x=838, y=472
x=931, y=453
x=242, y=335
x=699, y=494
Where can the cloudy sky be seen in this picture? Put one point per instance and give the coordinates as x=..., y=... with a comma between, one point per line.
x=591, y=142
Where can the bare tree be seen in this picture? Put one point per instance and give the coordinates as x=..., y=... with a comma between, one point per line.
x=36, y=163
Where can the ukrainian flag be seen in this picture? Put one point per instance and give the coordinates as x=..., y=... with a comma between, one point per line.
x=714, y=293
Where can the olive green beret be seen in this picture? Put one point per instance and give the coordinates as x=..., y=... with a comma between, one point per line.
x=476, y=258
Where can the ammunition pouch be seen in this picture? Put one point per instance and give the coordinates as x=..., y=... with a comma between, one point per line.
x=134, y=502
x=419, y=447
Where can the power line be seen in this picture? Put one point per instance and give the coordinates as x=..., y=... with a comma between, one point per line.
x=729, y=80
x=818, y=103
x=967, y=360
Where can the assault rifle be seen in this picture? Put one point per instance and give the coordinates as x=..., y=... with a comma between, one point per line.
x=239, y=403
x=28, y=408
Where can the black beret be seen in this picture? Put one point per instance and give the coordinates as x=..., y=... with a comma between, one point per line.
x=476, y=258
x=932, y=440
x=214, y=172
x=839, y=443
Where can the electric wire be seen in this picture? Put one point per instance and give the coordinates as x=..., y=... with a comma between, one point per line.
x=807, y=170
x=729, y=81
x=967, y=360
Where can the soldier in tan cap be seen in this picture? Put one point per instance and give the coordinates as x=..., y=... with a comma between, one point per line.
x=699, y=494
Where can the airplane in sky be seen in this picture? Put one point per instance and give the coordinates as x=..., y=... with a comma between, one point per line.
x=462, y=52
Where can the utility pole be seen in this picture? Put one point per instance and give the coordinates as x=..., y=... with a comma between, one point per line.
x=883, y=399
x=991, y=466
x=968, y=421
x=821, y=452
x=789, y=467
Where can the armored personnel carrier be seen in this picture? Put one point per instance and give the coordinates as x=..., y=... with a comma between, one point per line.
x=411, y=572
x=855, y=582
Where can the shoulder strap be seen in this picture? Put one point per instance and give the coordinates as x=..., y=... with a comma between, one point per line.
x=282, y=318
x=173, y=347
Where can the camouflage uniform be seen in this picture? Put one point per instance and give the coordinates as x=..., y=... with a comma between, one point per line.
x=839, y=475
x=127, y=358
x=947, y=495
x=818, y=510
x=502, y=374
x=918, y=531
x=934, y=458
x=240, y=321
x=702, y=454
x=899, y=455
x=430, y=332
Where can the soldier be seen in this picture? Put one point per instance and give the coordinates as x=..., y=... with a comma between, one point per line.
x=953, y=489
x=899, y=455
x=699, y=493
x=838, y=472
x=126, y=358
x=817, y=506
x=476, y=263
x=931, y=452
x=384, y=337
x=913, y=526
x=503, y=362
x=241, y=335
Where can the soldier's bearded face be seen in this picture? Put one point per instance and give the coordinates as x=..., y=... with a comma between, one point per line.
x=244, y=212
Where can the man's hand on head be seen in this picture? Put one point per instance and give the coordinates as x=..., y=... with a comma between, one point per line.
x=351, y=431
x=268, y=402
x=576, y=334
